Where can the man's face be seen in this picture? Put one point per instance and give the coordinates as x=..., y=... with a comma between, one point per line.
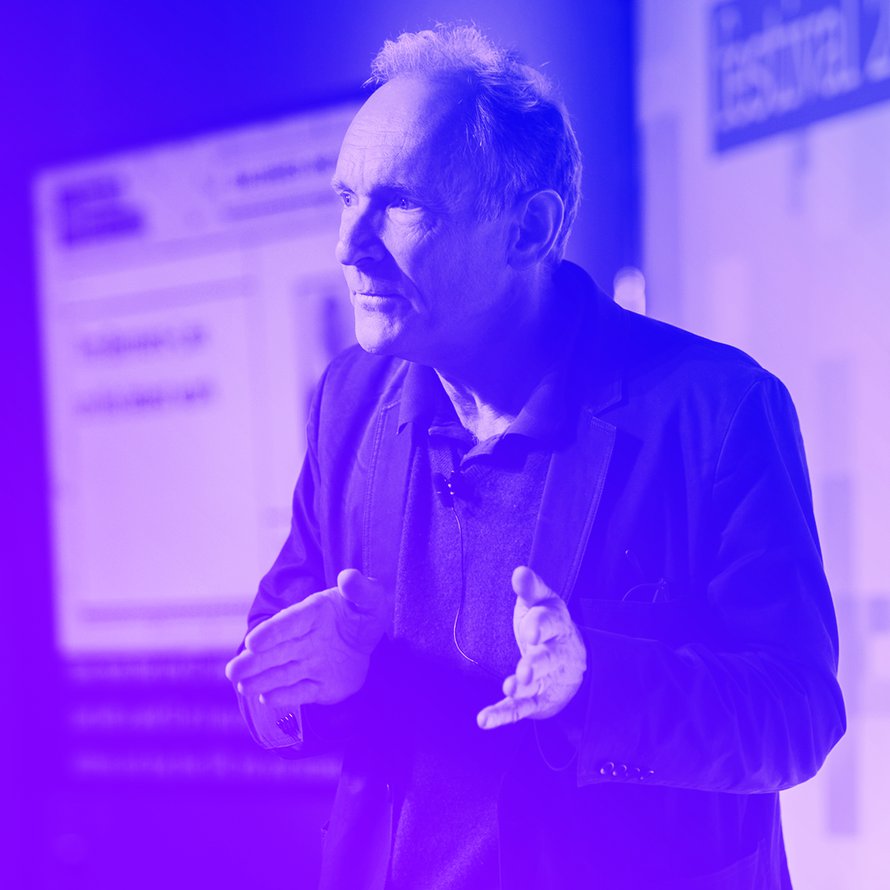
x=427, y=280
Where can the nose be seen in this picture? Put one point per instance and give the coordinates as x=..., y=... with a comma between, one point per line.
x=359, y=240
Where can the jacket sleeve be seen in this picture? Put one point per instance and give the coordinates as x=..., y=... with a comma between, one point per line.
x=298, y=572
x=752, y=703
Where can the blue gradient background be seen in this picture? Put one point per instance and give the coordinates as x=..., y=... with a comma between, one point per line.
x=90, y=78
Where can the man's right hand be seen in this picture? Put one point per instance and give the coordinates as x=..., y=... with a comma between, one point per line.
x=318, y=650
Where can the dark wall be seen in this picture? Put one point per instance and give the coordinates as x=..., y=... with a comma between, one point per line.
x=96, y=76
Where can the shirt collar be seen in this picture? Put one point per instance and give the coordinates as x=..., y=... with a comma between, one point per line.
x=544, y=413
x=424, y=402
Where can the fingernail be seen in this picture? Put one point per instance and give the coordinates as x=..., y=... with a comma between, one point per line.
x=240, y=688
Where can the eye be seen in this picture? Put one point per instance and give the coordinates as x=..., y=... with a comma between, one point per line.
x=405, y=204
x=346, y=198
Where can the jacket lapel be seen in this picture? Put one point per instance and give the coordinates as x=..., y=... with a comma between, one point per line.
x=386, y=496
x=572, y=493
x=574, y=485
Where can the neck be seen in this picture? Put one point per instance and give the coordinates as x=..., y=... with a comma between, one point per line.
x=489, y=380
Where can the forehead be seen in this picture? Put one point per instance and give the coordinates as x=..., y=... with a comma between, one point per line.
x=405, y=132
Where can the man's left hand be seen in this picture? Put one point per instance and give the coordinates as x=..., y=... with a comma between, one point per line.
x=553, y=656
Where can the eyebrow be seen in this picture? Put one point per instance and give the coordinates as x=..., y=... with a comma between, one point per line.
x=392, y=186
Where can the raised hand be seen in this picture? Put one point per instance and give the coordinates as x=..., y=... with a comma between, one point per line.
x=553, y=657
x=318, y=650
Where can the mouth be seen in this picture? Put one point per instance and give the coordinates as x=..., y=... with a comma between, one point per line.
x=375, y=300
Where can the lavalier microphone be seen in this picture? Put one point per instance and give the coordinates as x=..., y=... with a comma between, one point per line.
x=448, y=488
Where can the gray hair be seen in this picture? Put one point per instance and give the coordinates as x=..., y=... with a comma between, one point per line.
x=518, y=136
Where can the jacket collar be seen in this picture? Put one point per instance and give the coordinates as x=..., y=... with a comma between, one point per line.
x=594, y=354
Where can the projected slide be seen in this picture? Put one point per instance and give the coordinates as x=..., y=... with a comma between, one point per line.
x=189, y=300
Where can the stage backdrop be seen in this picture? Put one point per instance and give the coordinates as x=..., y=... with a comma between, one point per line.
x=190, y=300
x=765, y=129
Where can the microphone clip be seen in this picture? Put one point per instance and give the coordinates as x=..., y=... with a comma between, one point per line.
x=447, y=488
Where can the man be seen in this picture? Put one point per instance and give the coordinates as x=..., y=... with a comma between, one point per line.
x=553, y=582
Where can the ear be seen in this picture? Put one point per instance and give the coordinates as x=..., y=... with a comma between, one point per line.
x=538, y=219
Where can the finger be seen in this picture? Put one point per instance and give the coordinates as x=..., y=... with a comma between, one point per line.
x=275, y=678
x=291, y=623
x=248, y=664
x=305, y=692
x=546, y=621
x=527, y=682
x=365, y=593
x=510, y=685
x=508, y=710
x=232, y=666
x=528, y=586
x=533, y=667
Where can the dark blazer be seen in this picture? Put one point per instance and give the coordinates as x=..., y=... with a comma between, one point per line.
x=677, y=523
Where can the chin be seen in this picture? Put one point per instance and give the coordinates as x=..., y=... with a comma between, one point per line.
x=376, y=338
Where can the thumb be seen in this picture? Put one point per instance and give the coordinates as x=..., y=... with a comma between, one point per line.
x=364, y=593
x=529, y=588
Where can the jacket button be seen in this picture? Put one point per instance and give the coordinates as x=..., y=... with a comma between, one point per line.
x=635, y=773
x=619, y=771
x=647, y=774
x=606, y=769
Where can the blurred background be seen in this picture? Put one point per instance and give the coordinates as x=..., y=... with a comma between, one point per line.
x=170, y=297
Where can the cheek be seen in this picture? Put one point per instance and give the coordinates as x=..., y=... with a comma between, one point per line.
x=414, y=237
x=472, y=267
x=421, y=261
x=449, y=270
